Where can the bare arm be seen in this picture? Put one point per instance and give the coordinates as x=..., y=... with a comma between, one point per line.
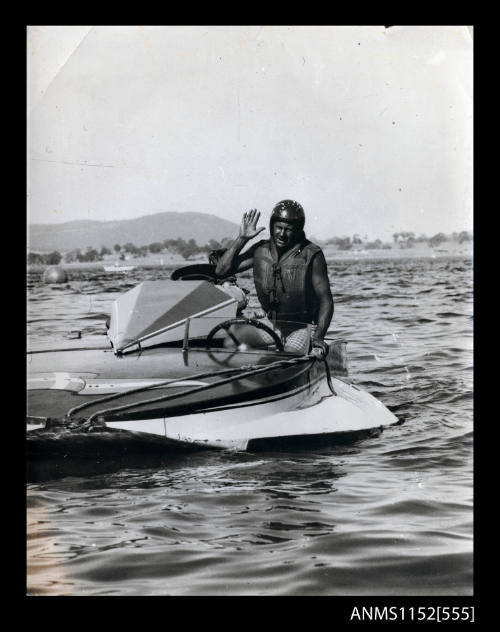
x=231, y=261
x=321, y=285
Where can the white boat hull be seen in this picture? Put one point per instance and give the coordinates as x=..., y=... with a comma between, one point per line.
x=237, y=427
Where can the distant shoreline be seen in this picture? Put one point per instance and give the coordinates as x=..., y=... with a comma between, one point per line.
x=171, y=262
x=419, y=251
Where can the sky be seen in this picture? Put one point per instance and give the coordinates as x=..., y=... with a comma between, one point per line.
x=370, y=129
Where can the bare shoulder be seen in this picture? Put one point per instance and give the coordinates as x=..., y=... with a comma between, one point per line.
x=319, y=265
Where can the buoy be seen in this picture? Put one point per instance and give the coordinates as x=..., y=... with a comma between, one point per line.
x=55, y=275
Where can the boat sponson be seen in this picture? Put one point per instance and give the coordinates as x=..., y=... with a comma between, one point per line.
x=154, y=364
x=308, y=442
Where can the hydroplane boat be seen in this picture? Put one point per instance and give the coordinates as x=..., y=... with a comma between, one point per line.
x=181, y=366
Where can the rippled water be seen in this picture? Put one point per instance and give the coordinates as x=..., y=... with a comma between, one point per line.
x=391, y=514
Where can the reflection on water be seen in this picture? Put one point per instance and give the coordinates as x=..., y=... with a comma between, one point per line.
x=390, y=514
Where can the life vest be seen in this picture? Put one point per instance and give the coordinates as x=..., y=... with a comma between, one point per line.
x=284, y=287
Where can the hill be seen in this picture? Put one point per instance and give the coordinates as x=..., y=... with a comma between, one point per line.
x=140, y=231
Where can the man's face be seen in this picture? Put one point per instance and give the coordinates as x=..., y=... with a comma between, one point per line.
x=285, y=235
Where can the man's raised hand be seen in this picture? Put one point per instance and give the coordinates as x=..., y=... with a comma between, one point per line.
x=248, y=227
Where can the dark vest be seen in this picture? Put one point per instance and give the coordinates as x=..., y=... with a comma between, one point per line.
x=284, y=287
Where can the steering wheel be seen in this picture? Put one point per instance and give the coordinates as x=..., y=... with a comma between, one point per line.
x=244, y=321
x=195, y=272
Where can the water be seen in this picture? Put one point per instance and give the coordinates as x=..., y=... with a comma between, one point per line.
x=387, y=515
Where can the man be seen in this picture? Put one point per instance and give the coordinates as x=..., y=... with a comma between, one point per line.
x=290, y=275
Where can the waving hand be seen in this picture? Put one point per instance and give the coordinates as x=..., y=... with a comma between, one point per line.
x=248, y=228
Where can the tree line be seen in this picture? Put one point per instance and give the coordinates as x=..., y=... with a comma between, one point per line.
x=408, y=240
x=402, y=240
x=180, y=246
x=190, y=248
